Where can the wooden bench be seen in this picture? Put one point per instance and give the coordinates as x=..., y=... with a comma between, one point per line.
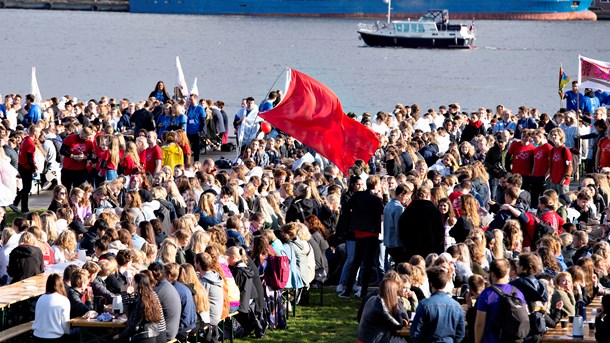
x=16, y=331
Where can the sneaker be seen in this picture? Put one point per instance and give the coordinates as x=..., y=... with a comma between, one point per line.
x=344, y=295
x=357, y=294
x=47, y=185
x=357, y=288
x=340, y=288
x=14, y=208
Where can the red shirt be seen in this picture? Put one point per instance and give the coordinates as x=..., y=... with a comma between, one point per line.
x=560, y=160
x=523, y=158
x=454, y=197
x=604, y=147
x=27, y=149
x=542, y=159
x=152, y=155
x=129, y=165
x=76, y=145
x=554, y=220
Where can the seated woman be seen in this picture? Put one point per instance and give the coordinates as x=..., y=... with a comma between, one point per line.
x=379, y=314
x=238, y=264
x=564, y=292
x=26, y=259
x=52, y=314
x=144, y=312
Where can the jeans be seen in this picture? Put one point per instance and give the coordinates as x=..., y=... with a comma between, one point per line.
x=493, y=188
x=366, y=252
x=350, y=247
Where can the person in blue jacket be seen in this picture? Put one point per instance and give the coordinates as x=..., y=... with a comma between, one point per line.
x=195, y=125
x=603, y=97
x=574, y=99
x=34, y=113
x=590, y=102
x=179, y=118
x=164, y=120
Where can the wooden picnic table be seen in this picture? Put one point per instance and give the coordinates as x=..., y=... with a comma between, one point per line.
x=23, y=290
x=93, y=330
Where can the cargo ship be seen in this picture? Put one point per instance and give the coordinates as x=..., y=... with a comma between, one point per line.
x=459, y=9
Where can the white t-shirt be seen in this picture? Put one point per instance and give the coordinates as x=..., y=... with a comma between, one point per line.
x=52, y=316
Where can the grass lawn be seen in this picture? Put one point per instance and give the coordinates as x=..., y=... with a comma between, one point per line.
x=10, y=215
x=334, y=322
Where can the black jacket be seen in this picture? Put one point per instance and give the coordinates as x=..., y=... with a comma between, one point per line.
x=98, y=286
x=299, y=210
x=143, y=119
x=421, y=229
x=366, y=210
x=461, y=229
x=77, y=307
x=243, y=278
x=25, y=261
x=137, y=326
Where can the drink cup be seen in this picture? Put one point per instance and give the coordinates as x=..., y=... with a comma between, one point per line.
x=571, y=319
x=564, y=323
x=82, y=255
x=591, y=326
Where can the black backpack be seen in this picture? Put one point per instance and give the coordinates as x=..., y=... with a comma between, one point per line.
x=513, y=323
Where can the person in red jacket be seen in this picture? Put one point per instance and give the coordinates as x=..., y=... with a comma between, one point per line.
x=26, y=167
x=521, y=156
x=542, y=165
x=76, y=149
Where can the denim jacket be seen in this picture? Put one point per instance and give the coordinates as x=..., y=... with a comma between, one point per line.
x=438, y=319
x=391, y=214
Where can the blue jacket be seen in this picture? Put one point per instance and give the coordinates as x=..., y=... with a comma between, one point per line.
x=438, y=319
x=188, y=316
x=180, y=121
x=33, y=115
x=391, y=214
x=196, y=120
x=574, y=101
x=163, y=123
x=502, y=125
x=589, y=104
x=603, y=97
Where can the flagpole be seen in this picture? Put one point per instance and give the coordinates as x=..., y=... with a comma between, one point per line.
x=561, y=90
x=265, y=98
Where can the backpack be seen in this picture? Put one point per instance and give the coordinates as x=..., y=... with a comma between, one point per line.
x=513, y=323
x=277, y=272
x=227, y=147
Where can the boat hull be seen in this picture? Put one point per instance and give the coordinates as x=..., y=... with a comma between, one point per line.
x=373, y=39
x=459, y=9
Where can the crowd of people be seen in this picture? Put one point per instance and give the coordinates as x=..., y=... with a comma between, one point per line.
x=451, y=205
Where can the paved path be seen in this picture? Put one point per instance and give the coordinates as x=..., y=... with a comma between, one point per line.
x=41, y=201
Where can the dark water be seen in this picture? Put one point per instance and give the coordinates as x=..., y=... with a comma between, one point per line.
x=89, y=54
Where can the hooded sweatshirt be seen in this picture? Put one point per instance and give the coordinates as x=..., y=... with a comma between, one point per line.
x=471, y=130
x=243, y=278
x=25, y=261
x=212, y=282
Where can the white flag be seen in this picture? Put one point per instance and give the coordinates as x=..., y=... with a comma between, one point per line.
x=593, y=73
x=195, y=89
x=181, y=82
x=34, y=88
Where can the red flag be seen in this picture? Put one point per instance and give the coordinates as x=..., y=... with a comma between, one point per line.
x=311, y=113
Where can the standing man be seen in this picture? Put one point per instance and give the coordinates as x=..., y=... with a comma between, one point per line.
x=542, y=165
x=421, y=226
x=26, y=167
x=34, y=111
x=195, y=125
x=524, y=121
x=506, y=123
x=268, y=104
x=495, y=162
x=489, y=303
x=76, y=149
x=143, y=118
x=391, y=215
x=154, y=154
x=438, y=318
x=365, y=210
x=574, y=99
x=246, y=134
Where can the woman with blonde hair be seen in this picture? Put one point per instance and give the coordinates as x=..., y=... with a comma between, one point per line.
x=130, y=163
x=172, y=152
x=479, y=251
x=422, y=171
x=167, y=252
x=207, y=210
x=64, y=248
x=468, y=221
x=49, y=226
x=80, y=211
x=188, y=277
x=480, y=182
x=197, y=190
x=197, y=244
x=381, y=314
x=174, y=196
x=496, y=246
x=467, y=152
x=111, y=163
